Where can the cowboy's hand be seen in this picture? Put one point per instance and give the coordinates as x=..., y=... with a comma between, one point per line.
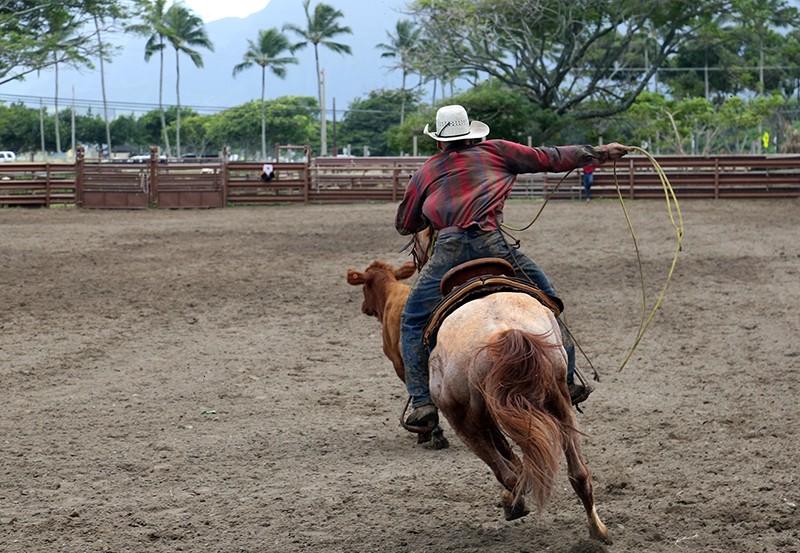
x=616, y=151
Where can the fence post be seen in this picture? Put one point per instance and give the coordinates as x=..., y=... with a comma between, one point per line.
x=154, y=159
x=306, y=179
x=79, y=162
x=716, y=179
x=395, y=183
x=224, y=157
x=47, y=185
x=630, y=178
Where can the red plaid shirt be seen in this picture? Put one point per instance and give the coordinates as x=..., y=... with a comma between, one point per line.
x=468, y=185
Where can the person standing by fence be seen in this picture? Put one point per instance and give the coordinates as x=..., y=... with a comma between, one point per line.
x=588, y=179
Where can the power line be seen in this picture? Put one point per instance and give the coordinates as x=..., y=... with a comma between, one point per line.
x=144, y=107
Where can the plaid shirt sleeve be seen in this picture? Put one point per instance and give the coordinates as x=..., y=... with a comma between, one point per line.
x=410, y=218
x=465, y=186
x=521, y=159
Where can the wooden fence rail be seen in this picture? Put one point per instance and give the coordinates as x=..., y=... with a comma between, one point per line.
x=217, y=183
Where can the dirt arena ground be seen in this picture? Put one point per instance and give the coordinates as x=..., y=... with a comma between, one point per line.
x=204, y=381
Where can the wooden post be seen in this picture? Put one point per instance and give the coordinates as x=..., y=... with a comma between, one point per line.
x=224, y=157
x=395, y=183
x=630, y=178
x=154, y=159
x=47, y=185
x=306, y=180
x=79, y=172
x=716, y=179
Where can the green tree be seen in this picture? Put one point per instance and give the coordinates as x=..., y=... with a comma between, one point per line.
x=368, y=120
x=184, y=30
x=566, y=61
x=90, y=129
x=320, y=28
x=289, y=120
x=63, y=34
x=266, y=53
x=127, y=130
x=757, y=18
x=510, y=116
x=680, y=124
x=19, y=128
x=154, y=27
x=27, y=46
x=195, y=133
x=401, y=46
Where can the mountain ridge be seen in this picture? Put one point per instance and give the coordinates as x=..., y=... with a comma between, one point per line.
x=131, y=81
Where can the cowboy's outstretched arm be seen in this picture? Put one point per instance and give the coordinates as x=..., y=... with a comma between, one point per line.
x=615, y=151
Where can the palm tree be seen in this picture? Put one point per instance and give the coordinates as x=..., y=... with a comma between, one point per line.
x=154, y=26
x=402, y=46
x=321, y=27
x=61, y=33
x=183, y=29
x=266, y=54
x=103, y=82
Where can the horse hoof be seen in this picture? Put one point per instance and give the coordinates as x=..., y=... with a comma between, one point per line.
x=513, y=509
x=601, y=535
x=438, y=441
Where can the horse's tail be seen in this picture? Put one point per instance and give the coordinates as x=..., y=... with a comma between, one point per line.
x=523, y=396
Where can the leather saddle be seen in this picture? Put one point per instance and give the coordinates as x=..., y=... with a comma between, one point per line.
x=476, y=279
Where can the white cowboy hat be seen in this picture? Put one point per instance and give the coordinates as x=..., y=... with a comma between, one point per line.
x=452, y=124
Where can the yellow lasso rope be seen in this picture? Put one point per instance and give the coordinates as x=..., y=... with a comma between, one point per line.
x=669, y=193
x=670, y=196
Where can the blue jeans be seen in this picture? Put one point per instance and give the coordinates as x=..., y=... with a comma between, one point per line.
x=451, y=250
x=588, y=181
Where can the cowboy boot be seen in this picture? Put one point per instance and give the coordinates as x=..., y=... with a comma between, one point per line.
x=424, y=415
x=580, y=388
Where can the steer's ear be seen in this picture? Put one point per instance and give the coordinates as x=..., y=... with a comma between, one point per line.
x=354, y=277
x=405, y=270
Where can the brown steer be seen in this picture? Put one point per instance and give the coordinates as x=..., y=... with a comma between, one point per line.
x=384, y=298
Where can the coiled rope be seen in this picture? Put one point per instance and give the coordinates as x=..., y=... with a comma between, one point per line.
x=669, y=193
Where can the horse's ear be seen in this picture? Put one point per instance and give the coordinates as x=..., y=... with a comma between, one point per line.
x=405, y=270
x=354, y=277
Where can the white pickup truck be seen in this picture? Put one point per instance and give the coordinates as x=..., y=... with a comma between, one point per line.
x=7, y=157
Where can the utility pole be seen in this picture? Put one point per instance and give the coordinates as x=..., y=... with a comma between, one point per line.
x=322, y=116
x=41, y=126
x=334, y=149
x=74, y=151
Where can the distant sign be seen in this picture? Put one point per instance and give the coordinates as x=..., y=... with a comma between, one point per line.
x=766, y=139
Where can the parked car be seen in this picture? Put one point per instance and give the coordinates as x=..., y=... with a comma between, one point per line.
x=144, y=158
x=7, y=157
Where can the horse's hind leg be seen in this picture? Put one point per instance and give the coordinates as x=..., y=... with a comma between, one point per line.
x=489, y=444
x=581, y=482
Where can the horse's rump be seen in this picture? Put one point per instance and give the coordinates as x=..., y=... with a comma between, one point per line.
x=522, y=393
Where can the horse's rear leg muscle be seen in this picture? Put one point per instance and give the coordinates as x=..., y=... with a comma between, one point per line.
x=581, y=482
x=489, y=444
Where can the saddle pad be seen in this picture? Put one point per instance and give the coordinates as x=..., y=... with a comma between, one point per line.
x=479, y=287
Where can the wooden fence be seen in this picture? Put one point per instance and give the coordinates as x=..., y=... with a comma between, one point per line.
x=218, y=183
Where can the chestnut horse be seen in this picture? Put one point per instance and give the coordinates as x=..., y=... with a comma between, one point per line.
x=499, y=370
